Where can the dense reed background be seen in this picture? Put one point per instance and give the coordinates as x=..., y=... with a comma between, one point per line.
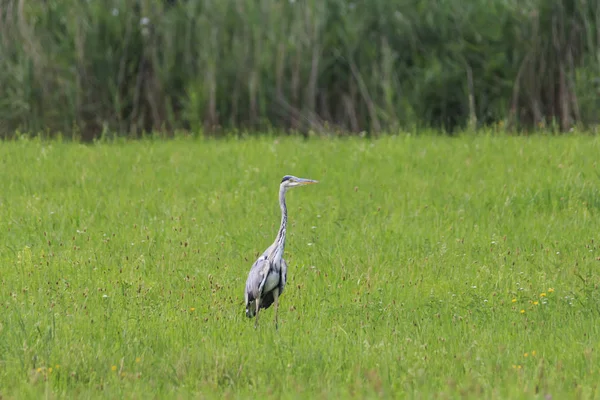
x=325, y=65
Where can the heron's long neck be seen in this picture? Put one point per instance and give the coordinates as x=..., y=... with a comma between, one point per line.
x=280, y=240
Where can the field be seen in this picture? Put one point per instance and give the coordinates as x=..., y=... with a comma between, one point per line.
x=419, y=267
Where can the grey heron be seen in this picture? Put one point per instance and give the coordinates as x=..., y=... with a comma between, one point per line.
x=268, y=274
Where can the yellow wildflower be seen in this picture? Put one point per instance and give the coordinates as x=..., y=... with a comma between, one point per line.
x=137, y=359
x=50, y=370
x=526, y=355
x=113, y=368
x=514, y=300
x=533, y=353
x=192, y=309
x=542, y=294
x=522, y=311
x=550, y=290
x=535, y=303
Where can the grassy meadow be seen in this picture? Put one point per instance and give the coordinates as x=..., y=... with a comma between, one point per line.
x=419, y=267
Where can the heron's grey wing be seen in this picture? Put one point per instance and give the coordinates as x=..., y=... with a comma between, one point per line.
x=268, y=298
x=256, y=279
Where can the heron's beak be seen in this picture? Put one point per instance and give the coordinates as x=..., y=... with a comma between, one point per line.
x=302, y=181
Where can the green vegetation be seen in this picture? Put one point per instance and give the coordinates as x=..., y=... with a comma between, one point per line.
x=348, y=65
x=419, y=266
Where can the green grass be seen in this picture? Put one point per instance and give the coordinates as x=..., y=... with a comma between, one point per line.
x=419, y=267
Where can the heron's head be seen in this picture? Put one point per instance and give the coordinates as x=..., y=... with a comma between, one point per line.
x=290, y=181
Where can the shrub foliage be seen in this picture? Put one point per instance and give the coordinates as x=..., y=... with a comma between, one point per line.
x=347, y=65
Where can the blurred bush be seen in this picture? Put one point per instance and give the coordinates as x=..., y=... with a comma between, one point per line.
x=133, y=66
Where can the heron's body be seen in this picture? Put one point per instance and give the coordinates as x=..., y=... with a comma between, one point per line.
x=268, y=275
x=276, y=276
